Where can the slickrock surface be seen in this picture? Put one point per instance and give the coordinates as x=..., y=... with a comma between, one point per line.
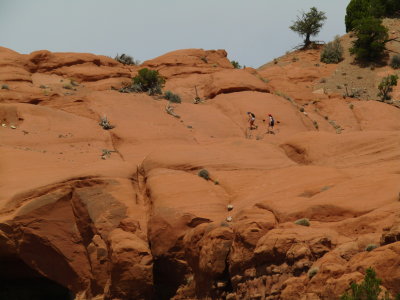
x=141, y=223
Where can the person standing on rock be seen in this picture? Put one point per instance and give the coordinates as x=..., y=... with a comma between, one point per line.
x=252, y=119
x=271, y=123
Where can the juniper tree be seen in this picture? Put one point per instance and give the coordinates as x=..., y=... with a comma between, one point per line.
x=309, y=24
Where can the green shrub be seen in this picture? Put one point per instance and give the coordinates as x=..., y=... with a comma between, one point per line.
x=371, y=38
x=5, y=87
x=386, y=86
x=149, y=81
x=369, y=289
x=236, y=64
x=126, y=59
x=303, y=222
x=204, y=174
x=370, y=247
x=68, y=86
x=332, y=52
x=395, y=62
x=174, y=98
x=312, y=272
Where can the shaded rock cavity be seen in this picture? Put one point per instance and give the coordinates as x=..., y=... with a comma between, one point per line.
x=19, y=281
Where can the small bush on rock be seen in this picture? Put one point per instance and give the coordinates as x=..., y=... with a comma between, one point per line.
x=204, y=174
x=369, y=289
x=5, y=87
x=312, y=272
x=236, y=64
x=149, y=81
x=395, y=62
x=303, y=222
x=105, y=123
x=174, y=98
x=386, y=86
x=370, y=247
x=332, y=52
x=126, y=59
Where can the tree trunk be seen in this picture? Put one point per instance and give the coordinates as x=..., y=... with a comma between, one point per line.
x=307, y=40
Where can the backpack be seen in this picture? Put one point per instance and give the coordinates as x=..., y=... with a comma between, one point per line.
x=253, y=115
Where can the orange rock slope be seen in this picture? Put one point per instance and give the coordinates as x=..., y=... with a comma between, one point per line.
x=141, y=224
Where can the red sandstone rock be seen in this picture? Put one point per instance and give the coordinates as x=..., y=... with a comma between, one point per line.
x=141, y=222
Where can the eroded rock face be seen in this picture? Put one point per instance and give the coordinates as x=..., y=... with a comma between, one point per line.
x=72, y=233
x=123, y=213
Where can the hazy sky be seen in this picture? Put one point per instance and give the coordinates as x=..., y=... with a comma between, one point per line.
x=253, y=32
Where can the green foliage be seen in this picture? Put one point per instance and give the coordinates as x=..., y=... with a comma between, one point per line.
x=303, y=222
x=126, y=59
x=395, y=62
x=312, y=272
x=204, y=174
x=332, y=52
x=5, y=87
x=370, y=247
x=174, y=98
x=309, y=24
x=386, y=86
x=236, y=64
x=369, y=289
x=371, y=38
x=149, y=81
x=359, y=9
x=391, y=7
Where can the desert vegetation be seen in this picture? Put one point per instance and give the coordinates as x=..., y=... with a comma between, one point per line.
x=126, y=59
x=386, y=86
x=332, y=53
x=360, y=9
x=309, y=24
x=105, y=123
x=171, y=97
x=303, y=222
x=146, y=81
x=395, y=62
x=236, y=64
x=368, y=289
x=371, y=38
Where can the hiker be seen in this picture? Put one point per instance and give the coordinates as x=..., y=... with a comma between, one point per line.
x=271, y=123
x=252, y=118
